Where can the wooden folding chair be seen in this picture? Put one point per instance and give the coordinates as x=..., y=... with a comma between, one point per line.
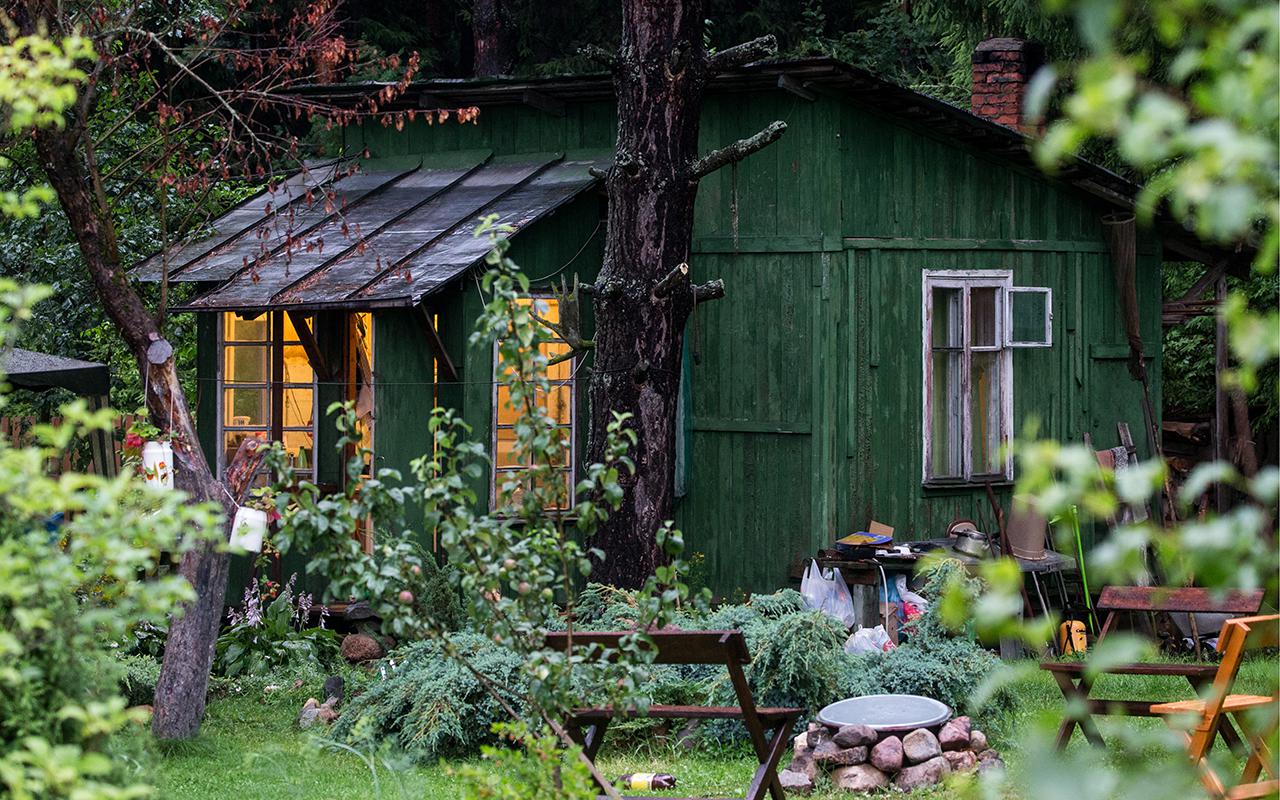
x=767, y=727
x=1237, y=636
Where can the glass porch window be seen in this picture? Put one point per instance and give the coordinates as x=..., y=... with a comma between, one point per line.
x=267, y=388
x=558, y=403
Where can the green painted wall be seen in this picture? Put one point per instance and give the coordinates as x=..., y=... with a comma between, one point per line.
x=807, y=376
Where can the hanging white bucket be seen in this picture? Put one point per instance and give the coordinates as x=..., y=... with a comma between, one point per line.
x=247, y=530
x=157, y=464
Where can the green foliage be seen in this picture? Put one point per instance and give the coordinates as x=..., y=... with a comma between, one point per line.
x=437, y=698
x=69, y=590
x=138, y=680
x=402, y=584
x=535, y=766
x=275, y=638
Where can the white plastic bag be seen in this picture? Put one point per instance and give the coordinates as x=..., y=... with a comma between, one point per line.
x=909, y=596
x=869, y=640
x=829, y=595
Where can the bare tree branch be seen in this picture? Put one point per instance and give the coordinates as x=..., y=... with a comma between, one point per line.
x=668, y=283
x=605, y=58
x=711, y=290
x=744, y=53
x=737, y=151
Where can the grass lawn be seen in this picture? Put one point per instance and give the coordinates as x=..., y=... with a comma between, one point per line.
x=250, y=749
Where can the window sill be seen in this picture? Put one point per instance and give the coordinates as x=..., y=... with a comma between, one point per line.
x=941, y=486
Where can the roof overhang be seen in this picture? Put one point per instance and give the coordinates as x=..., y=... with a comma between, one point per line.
x=808, y=75
x=29, y=369
x=365, y=235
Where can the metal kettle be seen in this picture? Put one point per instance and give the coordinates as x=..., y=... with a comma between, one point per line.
x=969, y=540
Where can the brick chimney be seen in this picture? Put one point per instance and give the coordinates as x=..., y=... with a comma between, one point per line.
x=1001, y=70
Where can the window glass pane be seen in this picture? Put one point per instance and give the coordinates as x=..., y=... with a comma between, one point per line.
x=558, y=403
x=247, y=364
x=566, y=448
x=1030, y=311
x=562, y=370
x=245, y=407
x=947, y=319
x=297, y=369
x=506, y=414
x=945, y=415
x=505, y=452
x=290, y=332
x=984, y=416
x=231, y=442
x=300, y=446
x=558, y=489
x=299, y=405
x=984, y=307
x=236, y=329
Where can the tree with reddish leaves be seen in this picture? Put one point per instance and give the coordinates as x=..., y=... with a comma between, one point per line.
x=215, y=86
x=644, y=295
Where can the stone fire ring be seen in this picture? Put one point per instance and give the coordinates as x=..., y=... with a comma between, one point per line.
x=886, y=713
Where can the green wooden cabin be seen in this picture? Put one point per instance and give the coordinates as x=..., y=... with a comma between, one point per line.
x=871, y=356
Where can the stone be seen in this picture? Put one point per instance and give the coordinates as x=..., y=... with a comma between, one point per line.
x=953, y=737
x=988, y=755
x=824, y=749
x=805, y=765
x=360, y=647
x=800, y=744
x=926, y=774
x=314, y=712
x=920, y=746
x=887, y=754
x=843, y=757
x=816, y=736
x=859, y=778
x=977, y=741
x=963, y=723
x=855, y=735
x=989, y=760
x=961, y=760
x=795, y=782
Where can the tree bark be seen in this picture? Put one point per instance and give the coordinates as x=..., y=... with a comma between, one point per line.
x=493, y=38
x=642, y=299
x=188, y=656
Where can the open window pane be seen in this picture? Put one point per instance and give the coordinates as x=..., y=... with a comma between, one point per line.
x=984, y=316
x=297, y=367
x=299, y=406
x=948, y=318
x=1030, y=317
x=985, y=413
x=300, y=445
x=946, y=421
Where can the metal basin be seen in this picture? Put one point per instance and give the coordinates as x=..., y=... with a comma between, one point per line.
x=890, y=713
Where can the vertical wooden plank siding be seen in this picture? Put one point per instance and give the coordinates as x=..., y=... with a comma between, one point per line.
x=807, y=377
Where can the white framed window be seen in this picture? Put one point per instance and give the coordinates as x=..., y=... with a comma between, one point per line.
x=560, y=403
x=266, y=388
x=973, y=320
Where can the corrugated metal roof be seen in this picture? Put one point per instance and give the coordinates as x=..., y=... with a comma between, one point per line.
x=350, y=236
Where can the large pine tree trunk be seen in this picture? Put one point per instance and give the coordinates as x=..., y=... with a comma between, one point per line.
x=659, y=81
x=188, y=655
x=644, y=294
x=493, y=38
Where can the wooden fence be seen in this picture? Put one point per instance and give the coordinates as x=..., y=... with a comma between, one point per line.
x=79, y=456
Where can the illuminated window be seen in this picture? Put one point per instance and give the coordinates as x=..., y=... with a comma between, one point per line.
x=559, y=403
x=266, y=388
x=972, y=323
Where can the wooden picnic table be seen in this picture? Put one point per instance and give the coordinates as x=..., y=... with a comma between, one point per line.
x=1076, y=683
x=587, y=726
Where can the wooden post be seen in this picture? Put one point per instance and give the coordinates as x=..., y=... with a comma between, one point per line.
x=1220, y=392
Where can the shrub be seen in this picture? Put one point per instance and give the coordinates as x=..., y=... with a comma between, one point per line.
x=138, y=681
x=275, y=638
x=431, y=704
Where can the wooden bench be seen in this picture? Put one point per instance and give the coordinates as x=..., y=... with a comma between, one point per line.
x=1076, y=683
x=767, y=727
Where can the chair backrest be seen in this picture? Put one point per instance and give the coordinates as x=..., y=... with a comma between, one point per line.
x=1186, y=599
x=673, y=647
